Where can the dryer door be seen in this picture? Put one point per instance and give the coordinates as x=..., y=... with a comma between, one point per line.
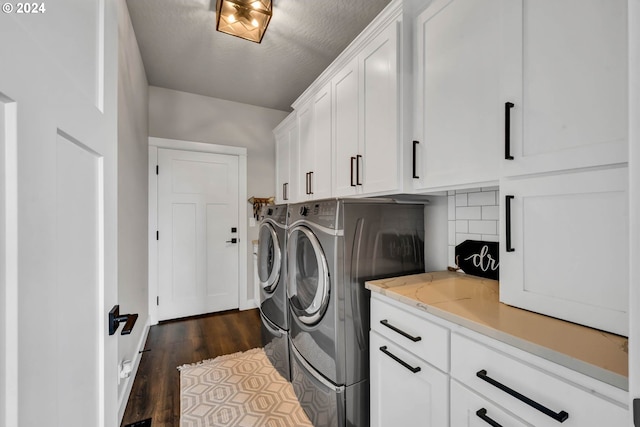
x=269, y=257
x=308, y=276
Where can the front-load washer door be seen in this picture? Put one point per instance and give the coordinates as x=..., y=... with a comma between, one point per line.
x=308, y=276
x=269, y=257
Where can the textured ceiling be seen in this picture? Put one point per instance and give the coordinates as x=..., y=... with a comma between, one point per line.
x=182, y=50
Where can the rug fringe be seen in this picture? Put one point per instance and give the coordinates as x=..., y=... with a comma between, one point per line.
x=219, y=358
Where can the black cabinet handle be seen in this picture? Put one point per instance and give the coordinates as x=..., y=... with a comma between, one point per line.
x=507, y=130
x=358, y=160
x=507, y=217
x=561, y=416
x=352, y=160
x=386, y=323
x=285, y=187
x=400, y=361
x=482, y=414
x=310, y=182
x=415, y=148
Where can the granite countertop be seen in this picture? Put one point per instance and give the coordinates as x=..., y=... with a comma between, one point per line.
x=473, y=302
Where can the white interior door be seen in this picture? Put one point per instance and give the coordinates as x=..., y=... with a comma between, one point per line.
x=197, y=211
x=58, y=80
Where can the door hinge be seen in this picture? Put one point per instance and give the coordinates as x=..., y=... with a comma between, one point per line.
x=157, y=235
x=157, y=170
x=157, y=300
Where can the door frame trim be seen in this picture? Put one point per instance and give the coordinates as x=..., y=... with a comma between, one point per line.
x=244, y=302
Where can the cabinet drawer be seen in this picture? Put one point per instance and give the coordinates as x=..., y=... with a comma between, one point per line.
x=469, y=409
x=510, y=382
x=413, y=332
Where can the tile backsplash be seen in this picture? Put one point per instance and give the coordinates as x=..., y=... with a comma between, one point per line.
x=473, y=215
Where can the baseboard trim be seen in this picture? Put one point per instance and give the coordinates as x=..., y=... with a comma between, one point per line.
x=124, y=399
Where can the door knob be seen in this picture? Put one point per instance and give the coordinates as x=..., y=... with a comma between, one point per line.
x=234, y=240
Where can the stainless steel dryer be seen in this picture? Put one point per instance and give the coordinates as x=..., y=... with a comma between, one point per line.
x=333, y=247
x=272, y=240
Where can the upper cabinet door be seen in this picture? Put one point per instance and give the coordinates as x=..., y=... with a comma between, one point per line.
x=346, y=123
x=379, y=105
x=458, y=94
x=305, y=150
x=320, y=178
x=283, y=152
x=564, y=69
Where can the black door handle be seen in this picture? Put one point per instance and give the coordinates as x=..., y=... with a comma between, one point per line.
x=507, y=217
x=415, y=149
x=400, y=361
x=561, y=416
x=358, y=160
x=507, y=130
x=115, y=318
x=386, y=323
x=310, y=182
x=352, y=160
x=233, y=240
x=482, y=414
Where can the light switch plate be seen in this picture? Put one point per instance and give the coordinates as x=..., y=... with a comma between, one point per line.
x=252, y=222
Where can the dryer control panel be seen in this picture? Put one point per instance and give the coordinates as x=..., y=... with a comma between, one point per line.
x=322, y=212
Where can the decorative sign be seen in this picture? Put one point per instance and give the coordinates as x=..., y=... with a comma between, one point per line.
x=478, y=258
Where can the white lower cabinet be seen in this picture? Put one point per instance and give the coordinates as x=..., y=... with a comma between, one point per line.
x=405, y=390
x=469, y=409
x=489, y=383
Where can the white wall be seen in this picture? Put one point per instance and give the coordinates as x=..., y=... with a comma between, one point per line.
x=189, y=117
x=132, y=193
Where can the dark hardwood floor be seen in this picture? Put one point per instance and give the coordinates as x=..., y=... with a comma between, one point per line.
x=156, y=389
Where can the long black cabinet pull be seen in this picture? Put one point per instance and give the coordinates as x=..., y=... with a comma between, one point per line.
x=507, y=217
x=413, y=369
x=285, y=191
x=358, y=160
x=415, y=148
x=306, y=182
x=311, y=182
x=386, y=323
x=482, y=414
x=507, y=130
x=352, y=160
x=561, y=416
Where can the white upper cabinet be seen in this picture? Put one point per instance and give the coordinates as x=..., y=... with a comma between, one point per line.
x=286, y=135
x=564, y=246
x=320, y=177
x=564, y=69
x=379, y=152
x=366, y=102
x=314, y=143
x=346, y=124
x=458, y=105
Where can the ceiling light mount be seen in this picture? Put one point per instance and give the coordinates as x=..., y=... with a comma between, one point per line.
x=247, y=19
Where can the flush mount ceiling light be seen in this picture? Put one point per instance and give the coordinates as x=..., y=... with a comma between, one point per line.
x=247, y=19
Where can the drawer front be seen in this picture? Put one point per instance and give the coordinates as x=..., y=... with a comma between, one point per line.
x=512, y=383
x=469, y=409
x=414, y=333
x=405, y=389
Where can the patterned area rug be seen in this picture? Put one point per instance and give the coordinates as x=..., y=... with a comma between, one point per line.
x=239, y=390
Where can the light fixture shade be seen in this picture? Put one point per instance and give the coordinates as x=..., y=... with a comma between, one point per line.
x=247, y=19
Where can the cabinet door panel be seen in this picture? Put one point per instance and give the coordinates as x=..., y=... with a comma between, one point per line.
x=345, y=113
x=458, y=93
x=283, y=151
x=400, y=397
x=565, y=69
x=570, y=238
x=378, y=64
x=305, y=149
x=321, y=177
